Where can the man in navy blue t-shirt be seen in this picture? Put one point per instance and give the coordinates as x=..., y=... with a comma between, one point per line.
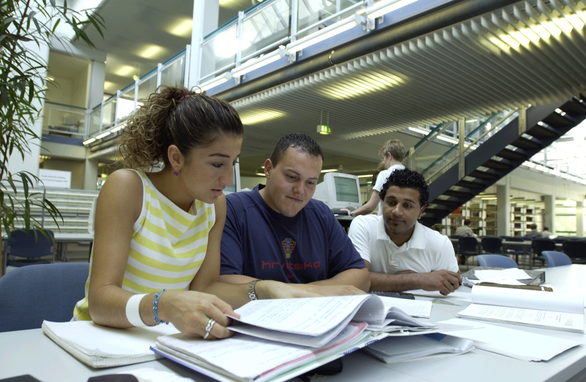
x=278, y=232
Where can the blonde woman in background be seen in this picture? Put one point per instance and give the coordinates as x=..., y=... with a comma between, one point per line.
x=393, y=152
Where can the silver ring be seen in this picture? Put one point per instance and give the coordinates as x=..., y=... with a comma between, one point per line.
x=208, y=328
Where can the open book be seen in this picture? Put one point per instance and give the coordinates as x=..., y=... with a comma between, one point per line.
x=290, y=336
x=538, y=308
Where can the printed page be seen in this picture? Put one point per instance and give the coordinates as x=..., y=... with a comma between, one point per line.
x=549, y=319
x=246, y=357
x=510, y=276
x=515, y=343
x=530, y=299
x=414, y=308
x=309, y=316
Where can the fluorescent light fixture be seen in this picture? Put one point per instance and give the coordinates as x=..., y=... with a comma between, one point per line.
x=324, y=34
x=213, y=83
x=103, y=135
x=259, y=116
x=118, y=128
x=361, y=84
x=329, y=170
x=387, y=7
x=260, y=173
x=225, y=43
x=533, y=34
x=150, y=51
x=256, y=63
x=365, y=176
x=89, y=141
x=181, y=27
x=418, y=130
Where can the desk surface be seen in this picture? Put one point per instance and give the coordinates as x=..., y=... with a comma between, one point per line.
x=30, y=352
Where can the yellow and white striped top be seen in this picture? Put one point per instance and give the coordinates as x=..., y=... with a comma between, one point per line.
x=167, y=248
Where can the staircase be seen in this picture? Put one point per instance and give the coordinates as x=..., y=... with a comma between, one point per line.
x=501, y=154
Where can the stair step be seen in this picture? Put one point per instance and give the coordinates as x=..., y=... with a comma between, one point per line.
x=499, y=163
x=514, y=153
x=529, y=142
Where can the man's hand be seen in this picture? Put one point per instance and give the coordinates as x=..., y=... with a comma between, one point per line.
x=443, y=281
x=276, y=289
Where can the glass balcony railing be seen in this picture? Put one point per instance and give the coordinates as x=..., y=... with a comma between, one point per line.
x=61, y=119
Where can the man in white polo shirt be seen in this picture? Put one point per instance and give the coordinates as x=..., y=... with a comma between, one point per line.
x=401, y=253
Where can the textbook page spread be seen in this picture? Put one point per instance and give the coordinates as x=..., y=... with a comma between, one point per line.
x=315, y=321
x=290, y=336
x=537, y=308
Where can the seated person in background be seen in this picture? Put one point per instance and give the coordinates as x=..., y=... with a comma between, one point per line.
x=278, y=232
x=465, y=229
x=534, y=233
x=546, y=233
x=392, y=152
x=401, y=253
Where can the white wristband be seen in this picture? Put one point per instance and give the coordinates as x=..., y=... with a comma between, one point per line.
x=133, y=310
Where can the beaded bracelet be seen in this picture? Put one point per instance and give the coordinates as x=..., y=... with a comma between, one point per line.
x=156, y=307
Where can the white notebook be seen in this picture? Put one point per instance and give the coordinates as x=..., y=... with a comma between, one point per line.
x=100, y=346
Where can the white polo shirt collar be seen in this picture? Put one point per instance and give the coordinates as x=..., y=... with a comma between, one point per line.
x=417, y=240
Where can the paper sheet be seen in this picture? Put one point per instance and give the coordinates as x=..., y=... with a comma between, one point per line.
x=513, y=343
x=414, y=308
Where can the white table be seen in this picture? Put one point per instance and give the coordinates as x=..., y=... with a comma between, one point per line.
x=30, y=352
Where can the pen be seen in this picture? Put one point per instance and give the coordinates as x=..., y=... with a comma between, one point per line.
x=528, y=287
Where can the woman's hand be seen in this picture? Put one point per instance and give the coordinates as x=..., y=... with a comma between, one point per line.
x=191, y=312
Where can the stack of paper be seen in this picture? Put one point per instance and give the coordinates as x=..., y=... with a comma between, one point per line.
x=538, y=308
x=397, y=349
x=99, y=346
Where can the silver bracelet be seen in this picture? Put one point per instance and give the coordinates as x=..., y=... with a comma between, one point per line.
x=252, y=290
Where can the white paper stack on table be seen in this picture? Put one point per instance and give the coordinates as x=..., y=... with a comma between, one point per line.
x=552, y=310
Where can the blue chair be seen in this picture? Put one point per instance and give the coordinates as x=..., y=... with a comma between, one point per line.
x=29, y=247
x=555, y=258
x=496, y=261
x=40, y=292
x=540, y=245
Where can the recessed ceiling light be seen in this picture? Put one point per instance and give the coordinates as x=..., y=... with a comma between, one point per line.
x=150, y=51
x=124, y=71
x=181, y=27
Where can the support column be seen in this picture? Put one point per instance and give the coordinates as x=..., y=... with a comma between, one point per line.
x=580, y=218
x=205, y=21
x=549, y=213
x=31, y=156
x=503, y=207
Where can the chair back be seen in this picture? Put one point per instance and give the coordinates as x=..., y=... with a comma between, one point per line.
x=30, y=244
x=40, y=292
x=496, y=261
x=575, y=249
x=492, y=244
x=467, y=245
x=555, y=258
x=540, y=245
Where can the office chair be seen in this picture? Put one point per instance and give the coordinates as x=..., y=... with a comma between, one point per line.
x=538, y=246
x=28, y=247
x=467, y=247
x=491, y=244
x=555, y=258
x=40, y=292
x=576, y=250
x=496, y=261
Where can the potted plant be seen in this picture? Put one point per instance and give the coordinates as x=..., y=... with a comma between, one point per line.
x=22, y=91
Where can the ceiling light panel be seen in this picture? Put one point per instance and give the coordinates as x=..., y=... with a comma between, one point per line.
x=181, y=27
x=151, y=51
x=361, y=84
x=259, y=116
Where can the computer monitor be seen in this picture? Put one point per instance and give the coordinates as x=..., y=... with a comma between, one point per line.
x=339, y=190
